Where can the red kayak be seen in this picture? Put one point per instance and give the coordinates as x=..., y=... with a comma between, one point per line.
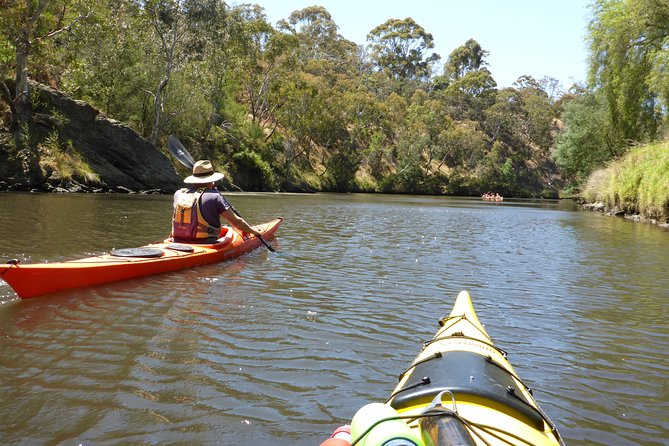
x=36, y=279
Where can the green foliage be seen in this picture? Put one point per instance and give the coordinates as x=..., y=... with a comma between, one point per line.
x=537, y=112
x=637, y=183
x=111, y=66
x=317, y=31
x=465, y=59
x=252, y=171
x=627, y=45
x=467, y=98
x=343, y=167
x=658, y=80
x=399, y=47
x=298, y=107
x=465, y=145
x=364, y=182
x=63, y=163
x=585, y=143
x=7, y=54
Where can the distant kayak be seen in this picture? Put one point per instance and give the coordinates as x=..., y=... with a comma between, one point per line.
x=460, y=390
x=492, y=197
x=32, y=280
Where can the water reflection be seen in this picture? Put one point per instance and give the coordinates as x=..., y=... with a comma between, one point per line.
x=281, y=348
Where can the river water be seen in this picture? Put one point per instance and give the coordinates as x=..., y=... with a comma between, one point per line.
x=279, y=349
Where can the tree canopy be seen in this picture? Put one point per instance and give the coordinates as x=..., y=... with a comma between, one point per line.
x=400, y=47
x=297, y=106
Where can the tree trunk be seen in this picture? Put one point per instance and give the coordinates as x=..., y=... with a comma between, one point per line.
x=159, y=99
x=22, y=101
x=14, y=125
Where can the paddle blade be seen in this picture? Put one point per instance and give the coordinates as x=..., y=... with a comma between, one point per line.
x=267, y=245
x=179, y=151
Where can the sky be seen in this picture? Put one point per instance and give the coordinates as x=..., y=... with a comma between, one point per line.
x=523, y=37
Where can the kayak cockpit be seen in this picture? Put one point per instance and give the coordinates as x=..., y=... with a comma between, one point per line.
x=464, y=373
x=225, y=237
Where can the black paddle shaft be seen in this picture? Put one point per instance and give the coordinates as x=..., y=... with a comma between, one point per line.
x=181, y=154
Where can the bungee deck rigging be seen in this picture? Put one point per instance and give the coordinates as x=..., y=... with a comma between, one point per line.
x=489, y=404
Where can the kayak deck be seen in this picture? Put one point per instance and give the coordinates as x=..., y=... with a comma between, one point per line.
x=460, y=377
x=32, y=280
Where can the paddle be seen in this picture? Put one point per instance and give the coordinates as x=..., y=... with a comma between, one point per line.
x=181, y=154
x=179, y=151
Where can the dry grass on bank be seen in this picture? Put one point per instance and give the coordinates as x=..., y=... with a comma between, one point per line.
x=635, y=184
x=64, y=163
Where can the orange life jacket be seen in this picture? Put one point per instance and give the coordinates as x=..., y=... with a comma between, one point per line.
x=187, y=221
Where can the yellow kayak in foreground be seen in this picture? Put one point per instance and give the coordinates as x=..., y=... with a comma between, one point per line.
x=460, y=390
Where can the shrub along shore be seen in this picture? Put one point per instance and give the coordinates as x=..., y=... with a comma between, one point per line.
x=634, y=185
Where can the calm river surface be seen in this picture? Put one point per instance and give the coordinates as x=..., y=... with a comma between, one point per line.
x=279, y=349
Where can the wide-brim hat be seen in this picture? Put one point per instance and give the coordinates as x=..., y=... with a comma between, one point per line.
x=203, y=172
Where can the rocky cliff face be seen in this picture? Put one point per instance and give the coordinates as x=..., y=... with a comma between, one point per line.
x=122, y=160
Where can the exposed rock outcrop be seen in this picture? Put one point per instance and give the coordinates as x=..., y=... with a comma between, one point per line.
x=122, y=160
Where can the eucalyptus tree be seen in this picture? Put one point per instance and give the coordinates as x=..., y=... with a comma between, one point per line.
x=7, y=58
x=588, y=139
x=553, y=88
x=465, y=145
x=628, y=47
x=657, y=16
x=405, y=158
x=169, y=23
x=469, y=57
x=400, y=48
x=471, y=88
x=322, y=51
x=503, y=117
x=538, y=113
x=208, y=46
x=317, y=31
x=469, y=96
x=264, y=57
x=27, y=26
x=319, y=109
x=110, y=63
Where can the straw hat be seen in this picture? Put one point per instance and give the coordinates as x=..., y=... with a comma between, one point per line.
x=203, y=172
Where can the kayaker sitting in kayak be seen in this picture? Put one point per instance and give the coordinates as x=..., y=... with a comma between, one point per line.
x=198, y=208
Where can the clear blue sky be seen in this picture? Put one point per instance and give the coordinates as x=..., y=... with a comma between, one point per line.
x=535, y=37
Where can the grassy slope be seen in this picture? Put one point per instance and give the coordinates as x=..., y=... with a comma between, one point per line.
x=635, y=184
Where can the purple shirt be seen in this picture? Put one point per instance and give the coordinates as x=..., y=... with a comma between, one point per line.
x=212, y=204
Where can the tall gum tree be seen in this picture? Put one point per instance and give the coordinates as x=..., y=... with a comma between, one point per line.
x=627, y=38
x=263, y=56
x=26, y=24
x=168, y=20
x=400, y=48
x=316, y=102
x=464, y=59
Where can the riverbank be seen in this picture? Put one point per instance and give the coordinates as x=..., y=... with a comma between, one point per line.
x=635, y=186
x=617, y=212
